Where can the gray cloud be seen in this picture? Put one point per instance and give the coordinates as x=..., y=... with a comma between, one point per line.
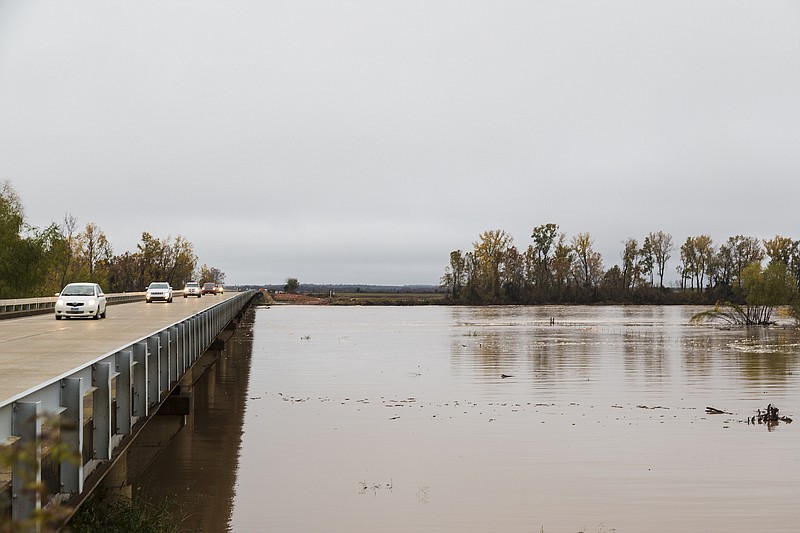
x=362, y=141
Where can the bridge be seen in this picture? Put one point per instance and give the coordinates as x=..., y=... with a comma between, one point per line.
x=90, y=386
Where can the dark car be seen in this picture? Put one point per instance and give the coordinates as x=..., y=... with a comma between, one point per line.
x=209, y=288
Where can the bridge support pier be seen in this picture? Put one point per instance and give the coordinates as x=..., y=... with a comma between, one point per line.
x=159, y=430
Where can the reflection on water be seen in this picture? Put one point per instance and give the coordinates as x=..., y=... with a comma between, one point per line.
x=495, y=419
x=196, y=472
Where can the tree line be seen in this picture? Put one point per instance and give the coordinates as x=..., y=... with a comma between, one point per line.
x=40, y=261
x=556, y=269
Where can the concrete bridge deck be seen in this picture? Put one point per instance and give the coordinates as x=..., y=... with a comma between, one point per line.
x=99, y=382
x=37, y=349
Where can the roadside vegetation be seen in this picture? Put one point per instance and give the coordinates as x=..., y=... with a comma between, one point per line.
x=26, y=456
x=126, y=516
x=41, y=261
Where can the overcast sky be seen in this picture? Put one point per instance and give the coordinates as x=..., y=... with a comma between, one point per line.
x=361, y=141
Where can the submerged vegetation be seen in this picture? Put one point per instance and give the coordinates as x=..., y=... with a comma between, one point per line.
x=555, y=269
x=764, y=291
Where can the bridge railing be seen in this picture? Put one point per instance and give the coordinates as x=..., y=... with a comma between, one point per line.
x=94, y=409
x=46, y=304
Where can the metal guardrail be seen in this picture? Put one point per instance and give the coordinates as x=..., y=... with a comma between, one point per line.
x=46, y=304
x=96, y=406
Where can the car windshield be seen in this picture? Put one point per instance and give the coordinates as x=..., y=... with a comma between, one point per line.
x=78, y=290
x=159, y=285
x=192, y=285
x=208, y=285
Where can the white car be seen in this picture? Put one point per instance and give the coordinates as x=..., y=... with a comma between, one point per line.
x=81, y=299
x=192, y=288
x=158, y=290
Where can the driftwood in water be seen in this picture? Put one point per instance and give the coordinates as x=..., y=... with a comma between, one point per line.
x=715, y=411
x=771, y=416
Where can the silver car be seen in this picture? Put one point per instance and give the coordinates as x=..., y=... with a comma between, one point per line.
x=81, y=300
x=158, y=290
x=192, y=288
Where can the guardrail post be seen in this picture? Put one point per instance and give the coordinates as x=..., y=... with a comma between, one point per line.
x=174, y=358
x=164, y=361
x=140, y=376
x=181, y=347
x=153, y=370
x=72, y=434
x=191, y=327
x=102, y=412
x=124, y=391
x=26, y=475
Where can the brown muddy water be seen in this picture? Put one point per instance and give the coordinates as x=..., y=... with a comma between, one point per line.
x=400, y=419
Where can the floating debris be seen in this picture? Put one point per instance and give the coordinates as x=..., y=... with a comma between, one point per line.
x=375, y=487
x=770, y=417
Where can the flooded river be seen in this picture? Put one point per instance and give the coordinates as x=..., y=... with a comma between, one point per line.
x=507, y=419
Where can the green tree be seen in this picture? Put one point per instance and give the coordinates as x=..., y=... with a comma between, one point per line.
x=563, y=257
x=780, y=249
x=211, y=274
x=489, y=252
x=587, y=267
x=23, y=248
x=660, y=248
x=647, y=259
x=62, y=261
x=787, y=251
x=630, y=265
x=732, y=257
x=696, y=256
x=545, y=239
x=291, y=285
x=455, y=274
x=513, y=276
x=613, y=283
x=124, y=273
x=94, y=254
x=173, y=261
x=745, y=251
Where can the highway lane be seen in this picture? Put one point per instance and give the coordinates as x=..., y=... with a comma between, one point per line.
x=40, y=348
